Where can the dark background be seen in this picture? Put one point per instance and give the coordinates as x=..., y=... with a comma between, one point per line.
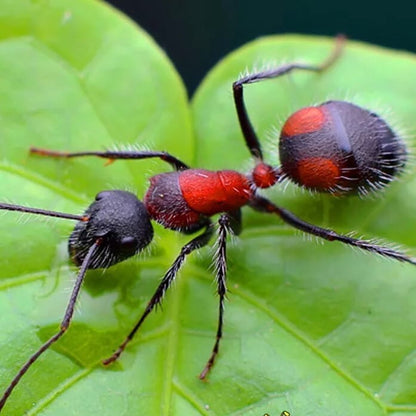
x=196, y=34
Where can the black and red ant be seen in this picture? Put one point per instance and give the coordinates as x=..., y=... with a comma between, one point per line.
x=335, y=147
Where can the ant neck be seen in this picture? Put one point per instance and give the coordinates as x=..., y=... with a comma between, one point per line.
x=264, y=175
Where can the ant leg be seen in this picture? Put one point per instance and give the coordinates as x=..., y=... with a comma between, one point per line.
x=226, y=221
x=247, y=128
x=64, y=324
x=234, y=221
x=264, y=205
x=195, y=244
x=114, y=155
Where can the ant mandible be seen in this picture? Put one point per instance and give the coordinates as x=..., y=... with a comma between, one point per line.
x=334, y=147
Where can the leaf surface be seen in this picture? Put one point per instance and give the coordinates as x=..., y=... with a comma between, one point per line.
x=345, y=336
x=314, y=329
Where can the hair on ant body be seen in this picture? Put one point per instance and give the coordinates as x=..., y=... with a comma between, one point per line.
x=336, y=147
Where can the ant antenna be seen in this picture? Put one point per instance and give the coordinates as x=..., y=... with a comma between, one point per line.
x=64, y=324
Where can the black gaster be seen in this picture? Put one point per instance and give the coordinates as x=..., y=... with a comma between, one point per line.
x=368, y=153
x=120, y=221
x=377, y=152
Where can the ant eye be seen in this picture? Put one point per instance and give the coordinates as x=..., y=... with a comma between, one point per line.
x=102, y=195
x=128, y=241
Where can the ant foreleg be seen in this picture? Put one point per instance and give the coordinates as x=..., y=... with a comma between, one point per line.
x=225, y=222
x=247, y=128
x=63, y=327
x=264, y=205
x=114, y=155
x=195, y=244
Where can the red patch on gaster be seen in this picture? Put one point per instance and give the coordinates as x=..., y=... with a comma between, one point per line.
x=318, y=173
x=306, y=120
x=209, y=193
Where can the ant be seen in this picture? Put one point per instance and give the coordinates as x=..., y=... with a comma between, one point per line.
x=335, y=147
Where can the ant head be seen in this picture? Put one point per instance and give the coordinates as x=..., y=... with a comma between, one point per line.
x=341, y=148
x=121, y=223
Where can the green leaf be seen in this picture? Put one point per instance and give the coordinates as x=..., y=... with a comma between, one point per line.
x=317, y=330
x=324, y=330
x=78, y=75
